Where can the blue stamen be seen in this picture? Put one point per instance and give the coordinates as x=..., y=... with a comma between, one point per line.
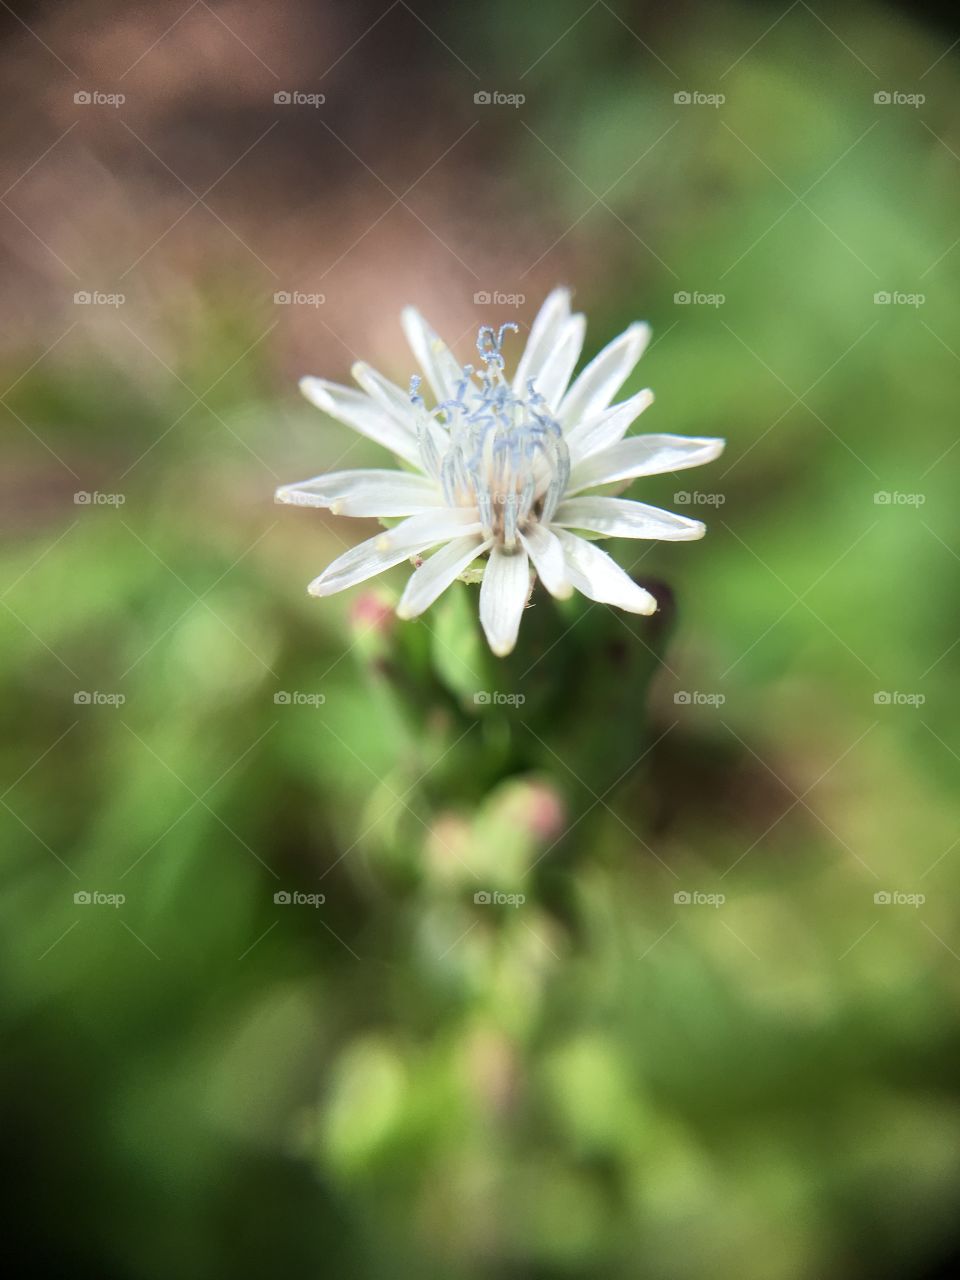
x=491, y=448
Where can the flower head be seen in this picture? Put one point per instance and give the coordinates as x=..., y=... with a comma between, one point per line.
x=501, y=468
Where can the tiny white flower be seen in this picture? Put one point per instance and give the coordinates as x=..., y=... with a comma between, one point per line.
x=500, y=469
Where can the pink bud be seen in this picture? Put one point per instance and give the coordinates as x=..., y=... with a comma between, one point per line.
x=539, y=807
x=372, y=611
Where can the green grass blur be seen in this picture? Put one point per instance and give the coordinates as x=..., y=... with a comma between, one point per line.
x=603, y=1081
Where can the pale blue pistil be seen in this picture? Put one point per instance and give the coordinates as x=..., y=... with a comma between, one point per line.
x=490, y=448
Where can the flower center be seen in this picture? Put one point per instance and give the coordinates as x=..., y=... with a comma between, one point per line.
x=492, y=449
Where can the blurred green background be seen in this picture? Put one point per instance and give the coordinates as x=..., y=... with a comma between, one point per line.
x=702, y=1044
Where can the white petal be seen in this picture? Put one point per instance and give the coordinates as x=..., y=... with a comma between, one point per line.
x=545, y=551
x=364, y=493
x=592, y=435
x=430, y=527
x=387, y=549
x=644, y=456
x=356, y=565
x=604, y=376
x=554, y=376
x=544, y=334
x=503, y=596
x=358, y=411
x=600, y=578
x=434, y=357
x=398, y=405
x=391, y=398
x=621, y=518
x=436, y=574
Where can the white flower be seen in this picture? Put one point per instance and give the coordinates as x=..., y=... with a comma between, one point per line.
x=500, y=469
